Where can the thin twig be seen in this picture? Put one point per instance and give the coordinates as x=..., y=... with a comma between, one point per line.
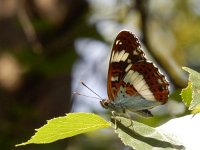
x=28, y=28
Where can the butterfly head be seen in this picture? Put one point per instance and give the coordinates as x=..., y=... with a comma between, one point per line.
x=105, y=103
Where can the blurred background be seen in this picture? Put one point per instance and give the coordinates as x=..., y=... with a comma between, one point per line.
x=48, y=46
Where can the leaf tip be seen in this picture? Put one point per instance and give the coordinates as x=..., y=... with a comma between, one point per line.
x=185, y=68
x=21, y=144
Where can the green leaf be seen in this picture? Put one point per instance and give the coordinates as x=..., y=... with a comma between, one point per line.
x=186, y=94
x=140, y=136
x=67, y=126
x=196, y=109
x=194, y=78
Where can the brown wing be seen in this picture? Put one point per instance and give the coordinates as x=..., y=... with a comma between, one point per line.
x=125, y=52
x=148, y=81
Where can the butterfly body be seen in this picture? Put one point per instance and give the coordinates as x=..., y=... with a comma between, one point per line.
x=122, y=105
x=134, y=84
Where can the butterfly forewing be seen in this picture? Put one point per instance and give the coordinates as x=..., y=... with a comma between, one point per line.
x=129, y=69
x=126, y=51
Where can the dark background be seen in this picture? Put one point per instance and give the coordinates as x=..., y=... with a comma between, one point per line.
x=38, y=52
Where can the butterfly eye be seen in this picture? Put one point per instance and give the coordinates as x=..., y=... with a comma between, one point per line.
x=104, y=103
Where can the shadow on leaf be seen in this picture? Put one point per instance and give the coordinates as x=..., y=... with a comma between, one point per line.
x=130, y=131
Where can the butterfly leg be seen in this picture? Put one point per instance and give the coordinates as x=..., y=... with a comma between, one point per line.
x=131, y=124
x=115, y=119
x=128, y=116
x=131, y=121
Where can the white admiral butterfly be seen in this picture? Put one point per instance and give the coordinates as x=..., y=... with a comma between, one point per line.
x=133, y=84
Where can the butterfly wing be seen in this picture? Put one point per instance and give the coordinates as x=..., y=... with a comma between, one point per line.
x=129, y=69
x=147, y=81
x=125, y=52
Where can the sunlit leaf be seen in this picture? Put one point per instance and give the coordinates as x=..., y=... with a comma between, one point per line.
x=186, y=94
x=194, y=78
x=140, y=136
x=67, y=126
x=196, y=109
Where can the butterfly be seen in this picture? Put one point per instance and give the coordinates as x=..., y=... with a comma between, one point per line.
x=134, y=84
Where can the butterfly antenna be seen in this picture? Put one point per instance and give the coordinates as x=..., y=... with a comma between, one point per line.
x=91, y=89
x=86, y=95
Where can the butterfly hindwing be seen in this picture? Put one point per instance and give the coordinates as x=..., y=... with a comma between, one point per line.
x=147, y=81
